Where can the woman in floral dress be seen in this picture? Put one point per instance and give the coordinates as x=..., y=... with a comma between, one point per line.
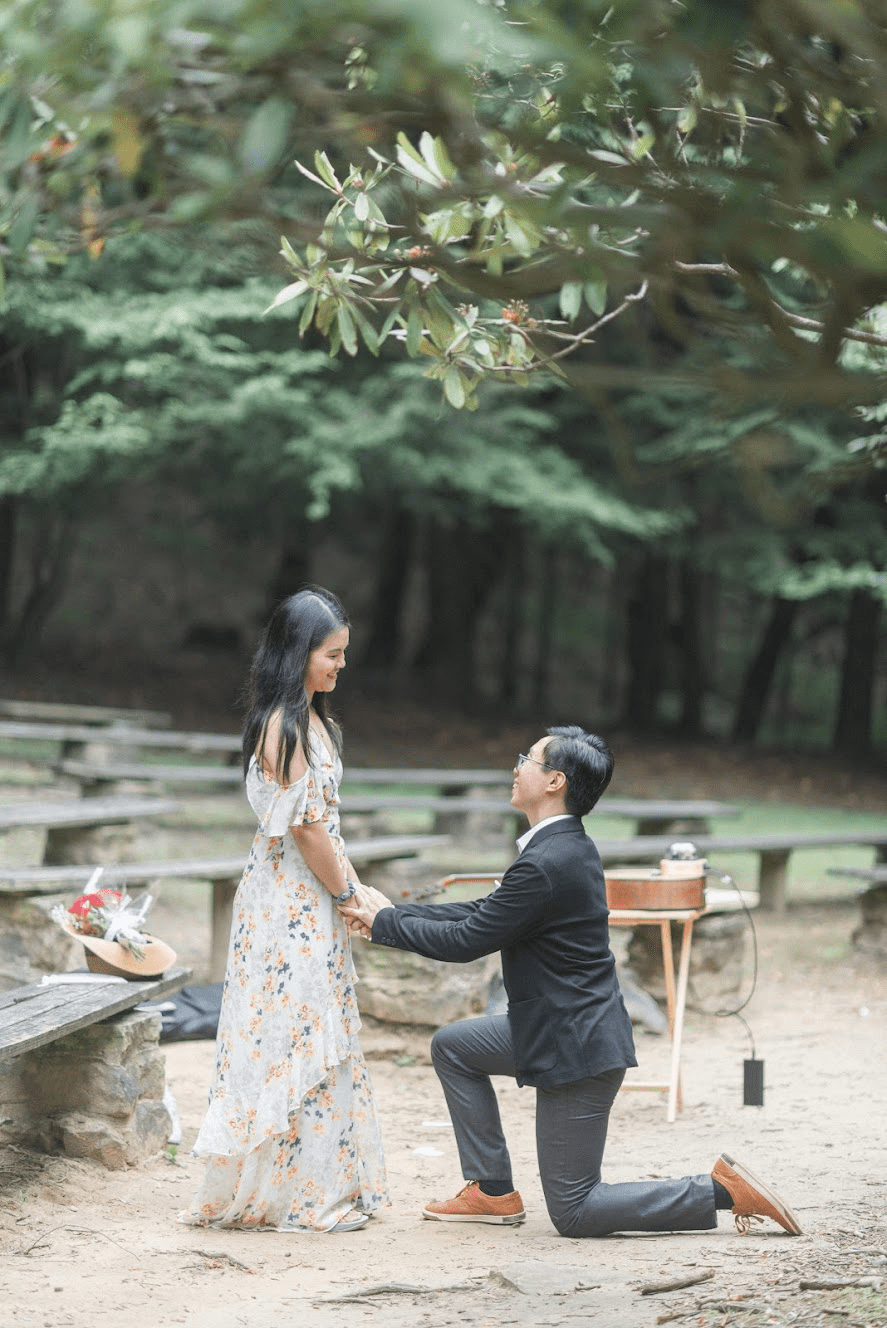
x=291, y=1134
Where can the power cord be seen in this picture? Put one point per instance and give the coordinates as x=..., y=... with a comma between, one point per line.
x=753, y=1069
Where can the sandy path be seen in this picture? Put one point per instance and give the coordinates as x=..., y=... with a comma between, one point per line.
x=91, y=1248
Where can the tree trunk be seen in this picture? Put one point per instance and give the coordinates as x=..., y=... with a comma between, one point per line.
x=760, y=673
x=549, y=585
x=50, y=566
x=383, y=647
x=512, y=626
x=7, y=556
x=690, y=653
x=853, y=725
x=463, y=564
x=291, y=573
x=647, y=642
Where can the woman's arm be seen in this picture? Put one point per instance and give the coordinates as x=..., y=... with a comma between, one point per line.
x=316, y=848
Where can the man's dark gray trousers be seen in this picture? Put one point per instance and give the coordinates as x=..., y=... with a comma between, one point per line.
x=571, y=1131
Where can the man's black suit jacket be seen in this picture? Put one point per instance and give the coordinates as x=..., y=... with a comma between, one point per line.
x=548, y=917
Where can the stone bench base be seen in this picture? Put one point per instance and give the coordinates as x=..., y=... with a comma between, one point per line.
x=717, y=959
x=95, y=1094
x=870, y=937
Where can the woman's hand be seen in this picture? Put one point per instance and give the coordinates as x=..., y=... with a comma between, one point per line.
x=360, y=912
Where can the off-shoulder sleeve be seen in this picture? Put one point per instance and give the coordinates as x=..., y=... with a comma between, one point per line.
x=278, y=808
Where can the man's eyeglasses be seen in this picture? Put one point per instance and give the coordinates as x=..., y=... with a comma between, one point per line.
x=522, y=756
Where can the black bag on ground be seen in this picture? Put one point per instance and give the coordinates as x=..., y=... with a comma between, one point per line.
x=190, y=1013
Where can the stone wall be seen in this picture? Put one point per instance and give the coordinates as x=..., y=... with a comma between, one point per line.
x=870, y=937
x=31, y=944
x=717, y=959
x=96, y=1094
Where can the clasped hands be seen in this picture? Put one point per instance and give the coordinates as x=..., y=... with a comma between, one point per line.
x=360, y=911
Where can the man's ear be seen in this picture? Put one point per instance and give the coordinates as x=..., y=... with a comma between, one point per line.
x=558, y=782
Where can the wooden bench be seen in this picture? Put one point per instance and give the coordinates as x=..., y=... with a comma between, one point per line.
x=76, y=1077
x=39, y=1013
x=774, y=851
x=120, y=735
x=651, y=816
x=69, y=824
x=223, y=873
x=61, y=712
x=98, y=777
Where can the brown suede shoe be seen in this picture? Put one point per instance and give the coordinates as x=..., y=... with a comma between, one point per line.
x=472, y=1205
x=752, y=1201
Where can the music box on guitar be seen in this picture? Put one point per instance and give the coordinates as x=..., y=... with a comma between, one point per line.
x=678, y=882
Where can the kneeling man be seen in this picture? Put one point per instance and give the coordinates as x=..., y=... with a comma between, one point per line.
x=566, y=1031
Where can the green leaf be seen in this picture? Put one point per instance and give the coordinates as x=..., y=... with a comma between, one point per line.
x=413, y=163
x=454, y=387
x=437, y=157
x=642, y=145
x=367, y=331
x=325, y=170
x=22, y=228
x=570, y=299
x=361, y=207
x=415, y=328
x=346, y=329
x=264, y=138
x=288, y=293
x=307, y=313
x=595, y=293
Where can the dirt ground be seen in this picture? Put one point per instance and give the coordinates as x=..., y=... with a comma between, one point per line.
x=86, y=1247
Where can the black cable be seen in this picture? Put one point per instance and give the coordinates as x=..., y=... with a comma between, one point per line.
x=735, y=1013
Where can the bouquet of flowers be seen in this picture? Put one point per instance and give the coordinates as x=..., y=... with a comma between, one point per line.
x=108, y=914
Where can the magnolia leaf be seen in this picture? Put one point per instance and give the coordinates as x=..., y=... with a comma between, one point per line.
x=437, y=157
x=324, y=169
x=288, y=293
x=413, y=163
x=367, y=331
x=288, y=252
x=415, y=328
x=570, y=299
x=595, y=293
x=307, y=313
x=264, y=138
x=311, y=176
x=642, y=145
x=361, y=207
x=454, y=387
x=346, y=329
x=440, y=327
x=522, y=235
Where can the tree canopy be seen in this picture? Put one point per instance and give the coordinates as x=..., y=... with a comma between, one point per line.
x=494, y=182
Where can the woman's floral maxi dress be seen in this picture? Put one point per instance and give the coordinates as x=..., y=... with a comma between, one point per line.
x=291, y=1129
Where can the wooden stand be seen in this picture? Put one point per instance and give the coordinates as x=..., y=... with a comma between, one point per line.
x=676, y=994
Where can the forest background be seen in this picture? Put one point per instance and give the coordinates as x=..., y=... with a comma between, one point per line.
x=577, y=397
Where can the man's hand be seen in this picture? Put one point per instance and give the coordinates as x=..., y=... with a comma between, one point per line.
x=360, y=912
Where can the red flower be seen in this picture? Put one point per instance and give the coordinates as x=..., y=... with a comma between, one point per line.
x=80, y=907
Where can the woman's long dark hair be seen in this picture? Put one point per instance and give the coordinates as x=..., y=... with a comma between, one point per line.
x=277, y=679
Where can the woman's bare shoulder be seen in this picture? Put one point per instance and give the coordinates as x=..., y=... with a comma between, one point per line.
x=267, y=754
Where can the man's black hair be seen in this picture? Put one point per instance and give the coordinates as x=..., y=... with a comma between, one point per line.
x=587, y=762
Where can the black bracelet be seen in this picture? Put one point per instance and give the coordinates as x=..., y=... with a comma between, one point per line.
x=346, y=894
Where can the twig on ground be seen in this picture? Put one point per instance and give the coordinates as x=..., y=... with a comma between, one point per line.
x=839, y=1283
x=392, y=1288
x=655, y=1288
x=220, y=1256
